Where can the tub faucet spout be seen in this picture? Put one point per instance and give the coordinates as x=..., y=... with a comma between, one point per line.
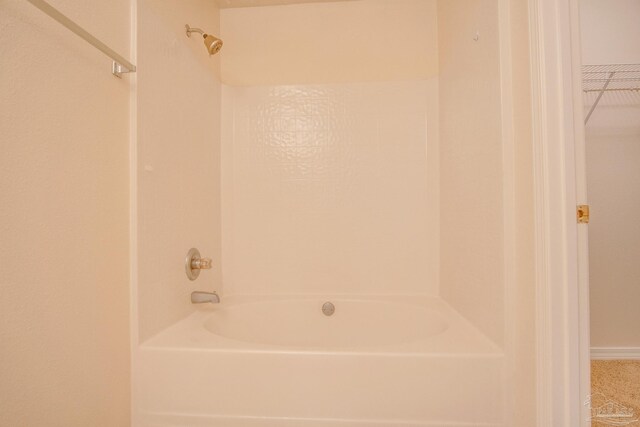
x=198, y=297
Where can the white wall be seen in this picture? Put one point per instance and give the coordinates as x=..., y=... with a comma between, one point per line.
x=64, y=294
x=610, y=31
x=178, y=158
x=613, y=173
x=337, y=42
x=331, y=189
x=471, y=174
x=611, y=34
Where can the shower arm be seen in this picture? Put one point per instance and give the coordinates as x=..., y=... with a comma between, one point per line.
x=193, y=30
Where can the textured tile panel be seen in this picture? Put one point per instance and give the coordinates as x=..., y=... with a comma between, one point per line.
x=329, y=190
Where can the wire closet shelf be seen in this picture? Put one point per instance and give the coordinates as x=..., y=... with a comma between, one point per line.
x=605, y=78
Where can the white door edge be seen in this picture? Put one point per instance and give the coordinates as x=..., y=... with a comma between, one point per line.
x=562, y=327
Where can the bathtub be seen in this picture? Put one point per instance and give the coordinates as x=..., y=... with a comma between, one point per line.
x=280, y=361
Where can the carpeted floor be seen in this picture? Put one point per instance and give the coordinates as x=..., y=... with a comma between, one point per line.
x=615, y=389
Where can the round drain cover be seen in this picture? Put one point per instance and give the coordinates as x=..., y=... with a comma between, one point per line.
x=328, y=308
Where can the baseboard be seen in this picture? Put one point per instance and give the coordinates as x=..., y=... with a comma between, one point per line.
x=610, y=353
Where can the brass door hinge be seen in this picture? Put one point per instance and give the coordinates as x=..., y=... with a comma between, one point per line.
x=583, y=214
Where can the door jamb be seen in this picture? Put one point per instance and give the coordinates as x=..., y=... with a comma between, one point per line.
x=562, y=321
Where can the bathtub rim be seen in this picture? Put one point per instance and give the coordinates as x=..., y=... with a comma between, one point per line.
x=460, y=339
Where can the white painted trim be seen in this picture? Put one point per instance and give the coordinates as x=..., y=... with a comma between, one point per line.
x=580, y=161
x=615, y=353
x=560, y=334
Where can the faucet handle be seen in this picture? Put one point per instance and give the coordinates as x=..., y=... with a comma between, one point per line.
x=201, y=263
x=194, y=263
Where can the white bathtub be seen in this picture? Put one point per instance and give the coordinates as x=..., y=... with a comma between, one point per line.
x=377, y=361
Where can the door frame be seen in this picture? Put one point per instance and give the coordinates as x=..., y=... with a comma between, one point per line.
x=561, y=251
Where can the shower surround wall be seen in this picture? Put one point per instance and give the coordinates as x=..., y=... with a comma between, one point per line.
x=331, y=189
x=178, y=159
x=471, y=163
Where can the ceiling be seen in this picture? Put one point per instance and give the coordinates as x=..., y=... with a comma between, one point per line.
x=225, y=4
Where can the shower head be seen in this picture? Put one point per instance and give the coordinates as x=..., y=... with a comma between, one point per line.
x=212, y=43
